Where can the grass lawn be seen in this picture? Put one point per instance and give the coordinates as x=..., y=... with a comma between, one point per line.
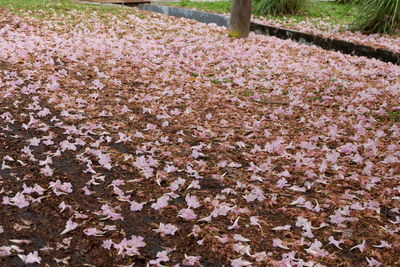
x=330, y=12
x=58, y=7
x=64, y=11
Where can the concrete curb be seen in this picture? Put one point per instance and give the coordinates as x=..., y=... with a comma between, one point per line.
x=305, y=38
x=205, y=17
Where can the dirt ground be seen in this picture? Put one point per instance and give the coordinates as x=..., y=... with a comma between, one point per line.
x=142, y=139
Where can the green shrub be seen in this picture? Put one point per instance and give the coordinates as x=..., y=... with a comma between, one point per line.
x=378, y=16
x=277, y=7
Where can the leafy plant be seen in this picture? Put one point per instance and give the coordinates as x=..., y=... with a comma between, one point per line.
x=278, y=7
x=378, y=16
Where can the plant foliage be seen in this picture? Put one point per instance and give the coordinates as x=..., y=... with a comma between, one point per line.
x=378, y=16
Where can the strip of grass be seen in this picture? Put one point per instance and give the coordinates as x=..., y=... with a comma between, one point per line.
x=330, y=12
x=333, y=12
x=69, y=13
x=59, y=7
x=216, y=7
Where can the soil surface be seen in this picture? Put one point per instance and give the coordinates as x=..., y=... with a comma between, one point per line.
x=142, y=139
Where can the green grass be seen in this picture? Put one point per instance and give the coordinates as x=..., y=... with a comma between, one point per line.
x=66, y=12
x=217, y=7
x=330, y=12
x=42, y=7
x=333, y=12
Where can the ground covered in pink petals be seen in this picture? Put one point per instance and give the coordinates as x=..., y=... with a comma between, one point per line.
x=326, y=28
x=143, y=139
x=320, y=27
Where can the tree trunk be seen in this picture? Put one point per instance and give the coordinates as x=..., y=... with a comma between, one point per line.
x=239, y=25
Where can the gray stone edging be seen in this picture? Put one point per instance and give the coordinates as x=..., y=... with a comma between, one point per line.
x=205, y=17
x=325, y=43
